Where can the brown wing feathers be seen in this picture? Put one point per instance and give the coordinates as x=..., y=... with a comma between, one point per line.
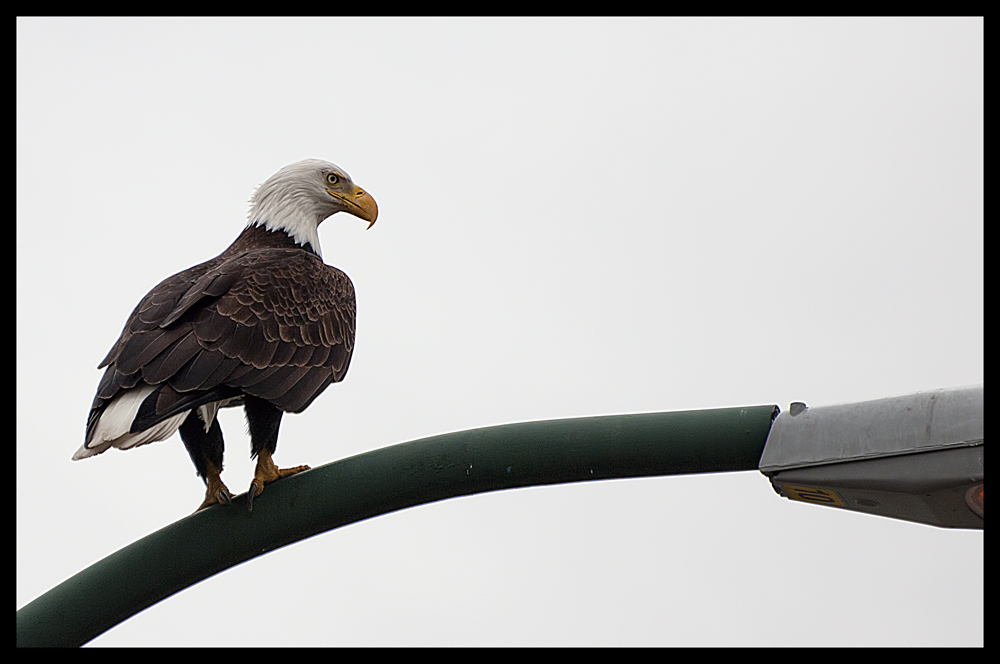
x=276, y=323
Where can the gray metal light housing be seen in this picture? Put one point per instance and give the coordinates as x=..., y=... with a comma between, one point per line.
x=917, y=457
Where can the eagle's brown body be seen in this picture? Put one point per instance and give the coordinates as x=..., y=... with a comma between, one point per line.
x=265, y=317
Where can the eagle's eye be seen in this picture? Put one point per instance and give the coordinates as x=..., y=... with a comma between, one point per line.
x=333, y=179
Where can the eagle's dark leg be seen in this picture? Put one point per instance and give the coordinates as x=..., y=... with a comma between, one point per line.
x=205, y=449
x=263, y=420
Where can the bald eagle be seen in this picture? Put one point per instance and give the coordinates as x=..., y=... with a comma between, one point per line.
x=266, y=325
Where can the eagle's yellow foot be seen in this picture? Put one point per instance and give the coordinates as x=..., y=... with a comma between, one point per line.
x=216, y=492
x=266, y=473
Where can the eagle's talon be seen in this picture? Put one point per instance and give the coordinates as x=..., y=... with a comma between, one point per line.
x=255, y=490
x=216, y=491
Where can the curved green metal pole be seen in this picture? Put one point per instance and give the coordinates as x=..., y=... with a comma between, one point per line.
x=382, y=481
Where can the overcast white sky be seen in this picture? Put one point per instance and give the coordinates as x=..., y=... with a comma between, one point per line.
x=577, y=217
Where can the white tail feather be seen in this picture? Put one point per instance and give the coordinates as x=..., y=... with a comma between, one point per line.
x=112, y=429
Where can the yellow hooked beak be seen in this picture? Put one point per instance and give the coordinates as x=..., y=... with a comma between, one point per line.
x=359, y=203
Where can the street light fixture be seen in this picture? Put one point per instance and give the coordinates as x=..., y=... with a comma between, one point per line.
x=917, y=457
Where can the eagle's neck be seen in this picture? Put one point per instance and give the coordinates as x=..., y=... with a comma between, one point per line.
x=259, y=237
x=292, y=212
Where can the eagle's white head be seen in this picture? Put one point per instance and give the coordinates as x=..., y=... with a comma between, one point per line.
x=300, y=196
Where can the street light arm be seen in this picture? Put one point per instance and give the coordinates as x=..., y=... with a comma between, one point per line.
x=385, y=480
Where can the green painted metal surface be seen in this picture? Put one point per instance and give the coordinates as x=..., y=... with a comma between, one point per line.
x=383, y=481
